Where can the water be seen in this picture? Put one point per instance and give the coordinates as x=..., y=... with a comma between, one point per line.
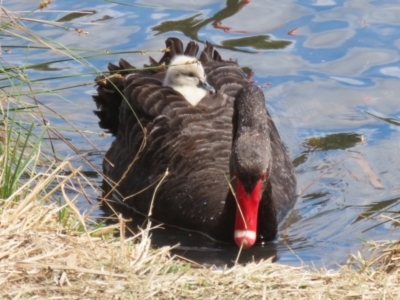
x=332, y=72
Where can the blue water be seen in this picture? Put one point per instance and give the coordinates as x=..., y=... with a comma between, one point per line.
x=338, y=74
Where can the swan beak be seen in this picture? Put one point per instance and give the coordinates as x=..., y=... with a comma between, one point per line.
x=205, y=85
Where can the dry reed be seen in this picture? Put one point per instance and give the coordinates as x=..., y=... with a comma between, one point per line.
x=40, y=259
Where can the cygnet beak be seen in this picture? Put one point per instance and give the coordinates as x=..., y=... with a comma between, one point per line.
x=205, y=85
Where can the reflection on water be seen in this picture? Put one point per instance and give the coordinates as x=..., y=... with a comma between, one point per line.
x=333, y=93
x=257, y=42
x=75, y=15
x=333, y=141
x=191, y=26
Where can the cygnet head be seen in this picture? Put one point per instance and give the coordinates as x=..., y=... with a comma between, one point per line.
x=186, y=75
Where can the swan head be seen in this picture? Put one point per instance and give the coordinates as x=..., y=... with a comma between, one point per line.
x=186, y=75
x=251, y=160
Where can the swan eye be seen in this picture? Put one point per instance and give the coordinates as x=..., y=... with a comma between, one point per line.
x=191, y=74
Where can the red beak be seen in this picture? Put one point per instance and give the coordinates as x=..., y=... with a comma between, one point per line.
x=246, y=214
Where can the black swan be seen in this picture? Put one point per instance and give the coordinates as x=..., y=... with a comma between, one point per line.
x=205, y=123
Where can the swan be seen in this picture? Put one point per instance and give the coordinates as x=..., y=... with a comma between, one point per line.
x=195, y=147
x=186, y=76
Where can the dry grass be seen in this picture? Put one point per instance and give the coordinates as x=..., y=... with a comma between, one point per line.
x=40, y=259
